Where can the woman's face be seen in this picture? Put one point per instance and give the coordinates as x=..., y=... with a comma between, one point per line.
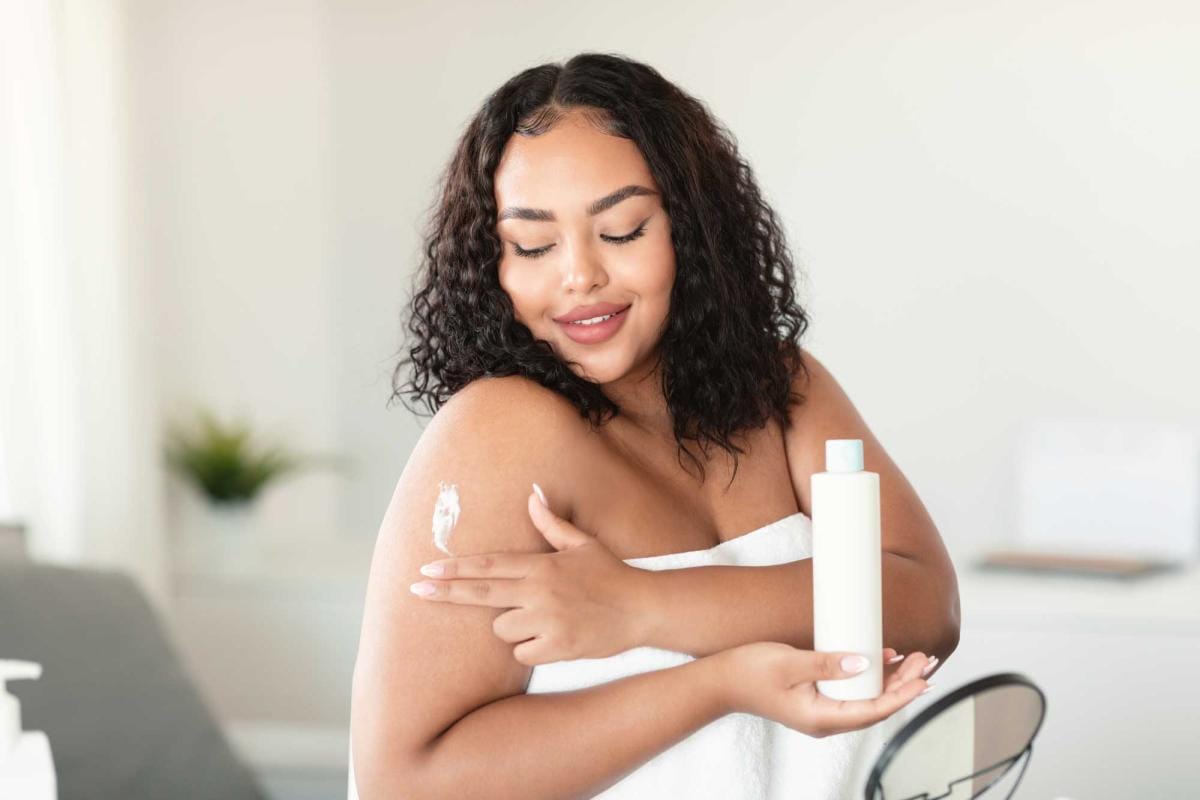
x=563, y=249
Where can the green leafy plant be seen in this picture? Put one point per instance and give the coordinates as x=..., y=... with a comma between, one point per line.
x=223, y=462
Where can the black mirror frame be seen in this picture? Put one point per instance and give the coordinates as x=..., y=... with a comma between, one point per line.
x=872, y=790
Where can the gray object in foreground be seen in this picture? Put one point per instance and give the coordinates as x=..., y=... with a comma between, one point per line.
x=125, y=720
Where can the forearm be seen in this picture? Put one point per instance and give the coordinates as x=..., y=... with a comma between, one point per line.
x=703, y=610
x=569, y=744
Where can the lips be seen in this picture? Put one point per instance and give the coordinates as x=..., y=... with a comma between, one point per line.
x=596, y=332
x=594, y=310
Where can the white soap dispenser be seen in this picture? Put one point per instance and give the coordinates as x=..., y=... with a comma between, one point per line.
x=26, y=766
x=847, y=567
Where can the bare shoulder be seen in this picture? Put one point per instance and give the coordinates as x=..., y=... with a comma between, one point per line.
x=421, y=665
x=513, y=399
x=474, y=466
x=513, y=429
x=826, y=413
x=824, y=397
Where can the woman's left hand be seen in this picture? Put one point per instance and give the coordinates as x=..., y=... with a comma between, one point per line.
x=578, y=602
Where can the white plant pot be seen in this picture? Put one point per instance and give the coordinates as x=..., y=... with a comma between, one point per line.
x=219, y=537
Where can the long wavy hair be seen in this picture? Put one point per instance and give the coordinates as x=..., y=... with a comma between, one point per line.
x=732, y=341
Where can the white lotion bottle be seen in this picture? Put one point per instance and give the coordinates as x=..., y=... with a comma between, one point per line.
x=847, y=568
x=26, y=766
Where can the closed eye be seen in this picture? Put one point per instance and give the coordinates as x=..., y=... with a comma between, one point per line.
x=541, y=251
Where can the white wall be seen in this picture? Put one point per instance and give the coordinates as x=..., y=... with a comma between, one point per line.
x=232, y=140
x=993, y=204
x=77, y=400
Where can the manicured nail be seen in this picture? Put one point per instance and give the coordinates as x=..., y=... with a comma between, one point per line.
x=926, y=689
x=929, y=667
x=895, y=659
x=433, y=570
x=541, y=495
x=855, y=664
x=424, y=588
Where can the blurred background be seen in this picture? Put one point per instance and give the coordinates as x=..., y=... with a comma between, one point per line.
x=212, y=208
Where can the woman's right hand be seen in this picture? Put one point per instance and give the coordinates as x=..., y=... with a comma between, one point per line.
x=778, y=681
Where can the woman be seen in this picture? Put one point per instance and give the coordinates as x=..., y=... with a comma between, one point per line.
x=605, y=296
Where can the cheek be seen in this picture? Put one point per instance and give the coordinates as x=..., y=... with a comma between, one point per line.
x=661, y=274
x=522, y=289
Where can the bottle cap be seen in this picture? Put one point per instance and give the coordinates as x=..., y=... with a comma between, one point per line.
x=843, y=455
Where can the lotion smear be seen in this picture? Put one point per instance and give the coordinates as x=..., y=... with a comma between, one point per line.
x=445, y=516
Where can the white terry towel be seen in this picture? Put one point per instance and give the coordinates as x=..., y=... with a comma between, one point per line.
x=740, y=756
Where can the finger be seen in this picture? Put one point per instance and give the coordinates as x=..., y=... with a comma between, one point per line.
x=843, y=665
x=848, y=715
x=533, y=652
x=892, y=679
x=890, y=659
x=516, y=625
x=498, y=593
x=914, y=665
x=561, y=534
x=911, y=668
x=930, y=667
x=807, y=666
x=839, y=666
x=484, y=565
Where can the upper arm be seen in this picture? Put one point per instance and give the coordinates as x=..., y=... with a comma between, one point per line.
x=421, y=665
x=907, y=529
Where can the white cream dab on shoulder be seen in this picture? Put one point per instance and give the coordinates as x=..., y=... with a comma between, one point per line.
x=445, y=515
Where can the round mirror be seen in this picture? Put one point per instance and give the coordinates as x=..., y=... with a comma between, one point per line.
x=963, y=744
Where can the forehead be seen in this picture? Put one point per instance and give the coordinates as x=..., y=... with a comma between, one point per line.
x=567, y=167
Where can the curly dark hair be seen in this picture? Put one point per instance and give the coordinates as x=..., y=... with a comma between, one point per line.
x=731, y=345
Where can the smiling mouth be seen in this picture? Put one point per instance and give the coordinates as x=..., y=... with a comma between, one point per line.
x=594, y=333
x=599, y=319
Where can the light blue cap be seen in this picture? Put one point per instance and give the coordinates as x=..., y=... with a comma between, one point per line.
x=843, y=455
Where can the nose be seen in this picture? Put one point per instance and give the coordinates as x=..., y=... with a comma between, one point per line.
x=582, y=270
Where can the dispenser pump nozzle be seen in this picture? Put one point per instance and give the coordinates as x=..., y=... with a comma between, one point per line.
x=13, y=669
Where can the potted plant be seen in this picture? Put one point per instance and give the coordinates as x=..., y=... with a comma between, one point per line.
x=224, y=464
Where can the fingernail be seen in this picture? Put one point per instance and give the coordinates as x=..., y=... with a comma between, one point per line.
x=895, y=659
x=424, y=588
x=926, y=689
x=855, y=664
x=433, y=570
x=929, y=667
x=541, y=495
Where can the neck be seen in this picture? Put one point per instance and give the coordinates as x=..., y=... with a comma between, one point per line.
x=640, y=397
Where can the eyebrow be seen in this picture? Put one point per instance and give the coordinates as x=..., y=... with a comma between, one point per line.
x=597, y=206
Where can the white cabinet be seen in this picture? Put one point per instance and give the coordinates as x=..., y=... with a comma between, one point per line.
x=1119, y=663
x=273, y=650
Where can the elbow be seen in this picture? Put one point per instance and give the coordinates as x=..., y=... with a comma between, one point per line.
x=394, y=785
x=391, y=778
x=947, y=641
x=939, y=606
x=924, y=606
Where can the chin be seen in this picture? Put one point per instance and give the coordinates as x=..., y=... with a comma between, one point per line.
x=599, y=370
